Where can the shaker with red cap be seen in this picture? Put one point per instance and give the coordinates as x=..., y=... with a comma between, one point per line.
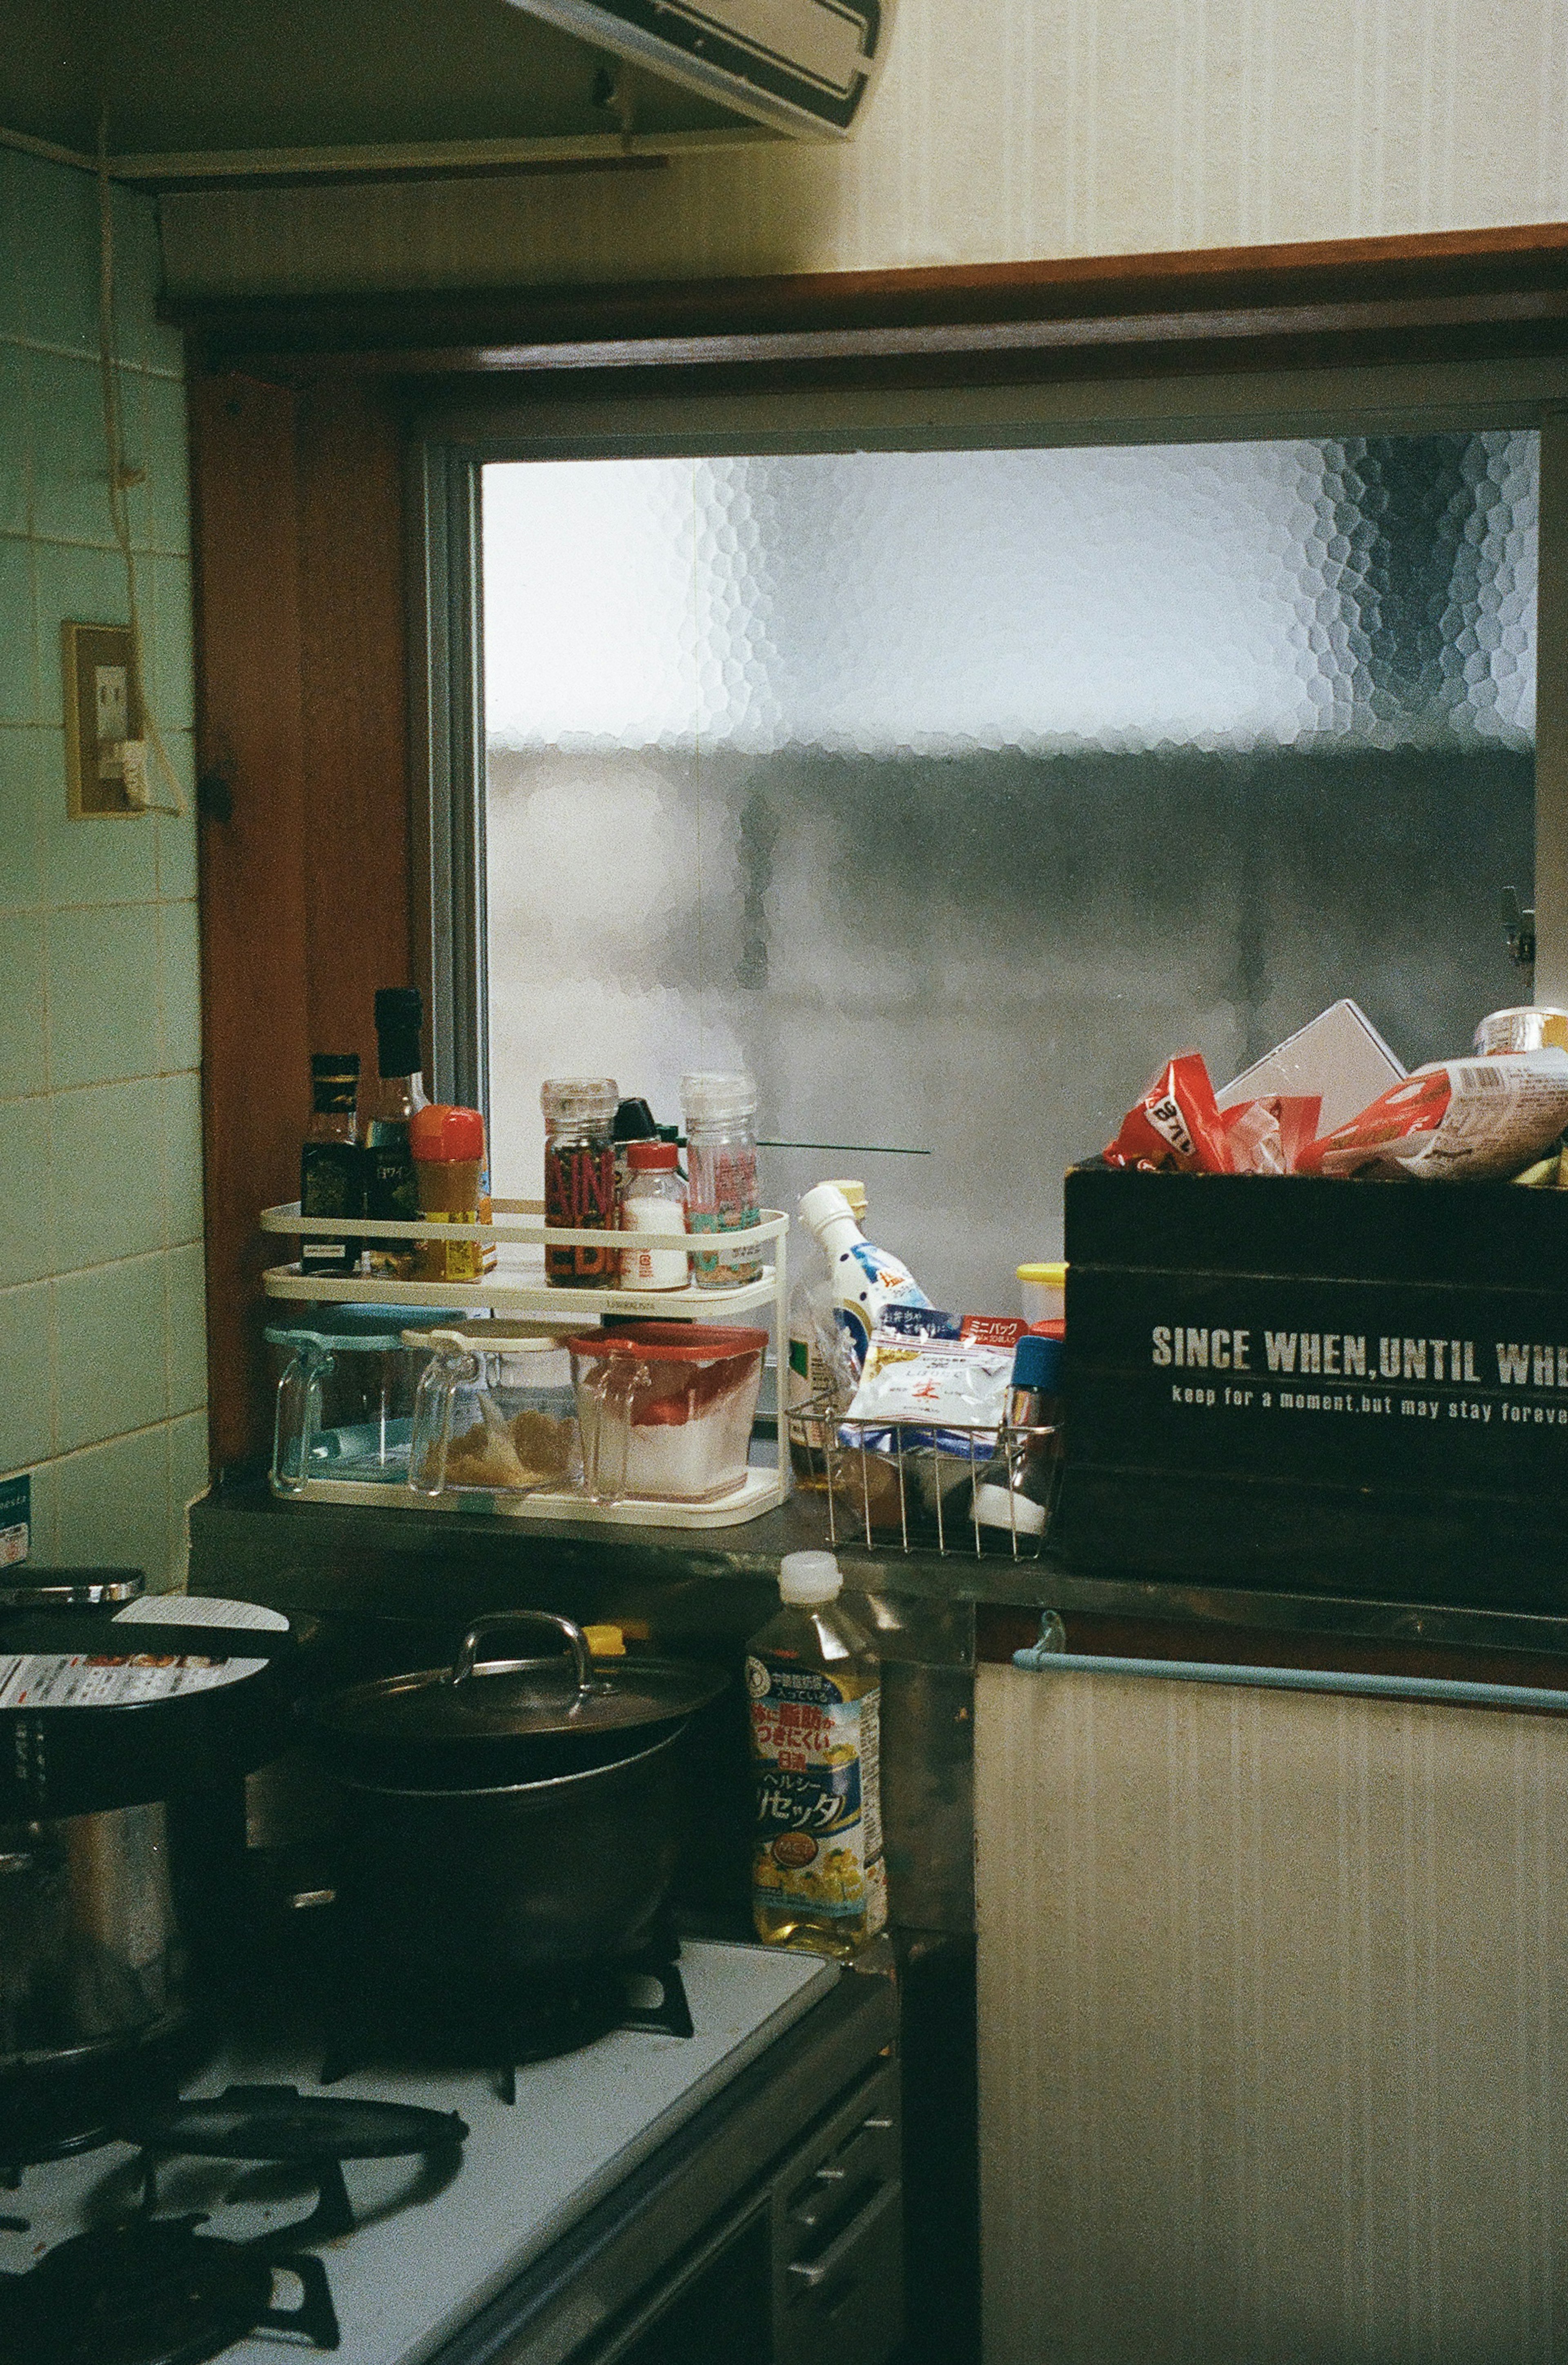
x=448, y=1146
x=654, y=1201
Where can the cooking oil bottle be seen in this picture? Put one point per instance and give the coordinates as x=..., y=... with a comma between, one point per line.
x=818, y=1882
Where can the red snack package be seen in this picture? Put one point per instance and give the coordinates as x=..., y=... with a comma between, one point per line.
x=1268, y=1137
x=1175, y=1123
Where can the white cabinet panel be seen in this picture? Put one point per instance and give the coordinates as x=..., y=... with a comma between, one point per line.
x=1273, y=1990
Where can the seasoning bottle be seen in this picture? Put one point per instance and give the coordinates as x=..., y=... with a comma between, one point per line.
x=579, y=1176
x=1016, y=1494
x=394, y=1195
x=816, y=1392
x=721, y=1165
x=814, y=1690
x=448, y=1147
x=331, y=1161
x=865, y=1279
x=654, y=1201
x=634, y=1122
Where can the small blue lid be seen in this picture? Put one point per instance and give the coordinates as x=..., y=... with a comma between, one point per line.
x=1036, y=1363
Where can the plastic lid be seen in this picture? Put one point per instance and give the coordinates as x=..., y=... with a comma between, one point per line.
x=634, y=1121
x=822, y=1205
x=440, y=1133
x=1049, y=1276
x=709, y=1096
x=1038, y=1363
x=671, y=1342
x=400, y=1015
x=334, y=1065
x=652, y=1156
x=855, y=1196
x=569, y=1099
x=808, y=1577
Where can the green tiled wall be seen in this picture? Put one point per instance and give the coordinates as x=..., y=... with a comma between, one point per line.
x=103, y=1375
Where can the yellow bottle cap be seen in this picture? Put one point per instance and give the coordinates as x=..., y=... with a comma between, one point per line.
x=1049, y=1276
x=856, y=1195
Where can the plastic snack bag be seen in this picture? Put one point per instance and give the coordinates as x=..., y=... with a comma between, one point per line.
x=1458, y=1119
x=924, y=1369
x=1174, y=1123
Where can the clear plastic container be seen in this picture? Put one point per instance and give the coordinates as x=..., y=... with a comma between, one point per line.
x=1042, y=1292
x=346, y=1381
x=494, y=1414
x=721, y=1189
x=666, y=1409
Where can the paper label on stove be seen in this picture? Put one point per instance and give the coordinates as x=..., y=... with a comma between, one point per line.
x=819, y=1811
x=76, y=1679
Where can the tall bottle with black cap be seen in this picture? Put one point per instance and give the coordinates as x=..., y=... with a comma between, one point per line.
x=399, y=1095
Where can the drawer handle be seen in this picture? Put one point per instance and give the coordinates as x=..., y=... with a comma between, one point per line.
x=818, y=2270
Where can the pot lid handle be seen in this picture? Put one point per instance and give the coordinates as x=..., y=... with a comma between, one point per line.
x=464, y=1668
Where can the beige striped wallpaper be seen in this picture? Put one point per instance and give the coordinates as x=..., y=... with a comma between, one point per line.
x=1274, y=2027
x=1003, y=129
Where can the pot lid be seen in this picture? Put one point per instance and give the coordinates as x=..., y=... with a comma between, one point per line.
x=483, y=1699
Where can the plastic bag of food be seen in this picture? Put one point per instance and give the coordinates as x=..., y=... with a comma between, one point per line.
x=1268, y=1136
x=1458, y=1119
x=924, y=1370
x=1174, y=1122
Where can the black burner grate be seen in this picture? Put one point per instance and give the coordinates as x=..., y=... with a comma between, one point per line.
x=502, y=2029
x=154, y=2293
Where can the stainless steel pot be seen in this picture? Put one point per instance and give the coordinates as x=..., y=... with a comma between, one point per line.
x=91, y=1951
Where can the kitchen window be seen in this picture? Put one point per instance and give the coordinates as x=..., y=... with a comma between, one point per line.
x=949, y=788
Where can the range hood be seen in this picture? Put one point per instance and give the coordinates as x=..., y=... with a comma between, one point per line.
x=804, y=66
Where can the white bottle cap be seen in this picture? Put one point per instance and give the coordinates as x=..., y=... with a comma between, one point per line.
x=809, y=1577
x=822, y=1205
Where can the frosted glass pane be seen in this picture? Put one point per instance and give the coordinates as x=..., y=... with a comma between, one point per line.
x=949, y=790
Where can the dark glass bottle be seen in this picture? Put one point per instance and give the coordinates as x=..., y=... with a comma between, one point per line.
x=331, y=1162
x=399, y=1093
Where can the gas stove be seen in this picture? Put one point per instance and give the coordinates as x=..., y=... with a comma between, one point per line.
x=385, y=2233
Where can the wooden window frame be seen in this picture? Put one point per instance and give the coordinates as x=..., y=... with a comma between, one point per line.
x=332, y=437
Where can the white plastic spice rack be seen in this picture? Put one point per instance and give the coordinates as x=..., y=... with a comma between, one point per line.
x=517, y=1287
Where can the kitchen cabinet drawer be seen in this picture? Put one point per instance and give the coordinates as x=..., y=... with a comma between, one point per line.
x=845, y=2303
x=837, y=2233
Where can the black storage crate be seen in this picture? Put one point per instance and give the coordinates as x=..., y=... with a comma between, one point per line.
x=1349, y=1386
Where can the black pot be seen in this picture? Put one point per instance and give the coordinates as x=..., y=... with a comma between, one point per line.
x=484, y=1725
x=470, y=1892
x=460, y=1889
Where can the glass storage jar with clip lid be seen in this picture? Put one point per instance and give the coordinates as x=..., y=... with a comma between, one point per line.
x=495, y=1414
x=345, y=1378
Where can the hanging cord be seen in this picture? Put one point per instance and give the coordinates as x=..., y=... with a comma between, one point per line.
x=121, y=480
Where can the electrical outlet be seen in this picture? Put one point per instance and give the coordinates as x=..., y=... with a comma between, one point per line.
x=102, y=713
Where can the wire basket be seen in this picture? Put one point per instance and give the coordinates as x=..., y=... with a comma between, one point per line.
x=922, y=1496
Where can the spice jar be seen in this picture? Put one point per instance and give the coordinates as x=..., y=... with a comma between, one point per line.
x=720, y=1164
x=448, y=1146
x=654, y=1201
x=579, y=1176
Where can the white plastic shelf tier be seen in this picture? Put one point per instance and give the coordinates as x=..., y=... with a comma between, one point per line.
x=517, y=1287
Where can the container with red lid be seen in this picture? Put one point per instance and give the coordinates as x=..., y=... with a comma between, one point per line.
x=666, y=1409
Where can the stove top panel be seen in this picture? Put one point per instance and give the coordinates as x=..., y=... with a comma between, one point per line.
x=435, y=2239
